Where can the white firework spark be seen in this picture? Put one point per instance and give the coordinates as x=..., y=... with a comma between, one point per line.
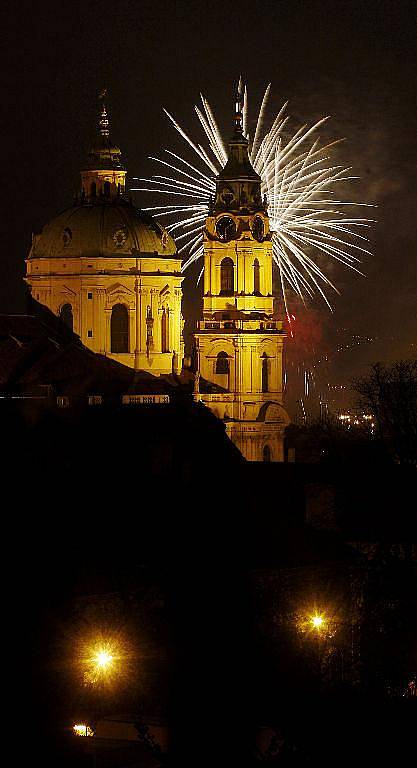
x=298, y=181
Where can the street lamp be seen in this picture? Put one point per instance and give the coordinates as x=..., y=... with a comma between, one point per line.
x=101, y=661
x=318, y=622
x=315, y=621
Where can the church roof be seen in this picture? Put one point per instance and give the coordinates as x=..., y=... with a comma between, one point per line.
x=34, y=354
x=103, y=228
x=104, y=155
x=238, y=185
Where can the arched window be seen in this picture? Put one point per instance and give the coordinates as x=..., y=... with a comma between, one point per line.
x=266, y=453
x=265, y=372
x=165, y=330
x=222, y=363
x=119, y=329
x=107, y=189
x=256, y=277
x=227, y=277
x=66, y=316
x=93, y=189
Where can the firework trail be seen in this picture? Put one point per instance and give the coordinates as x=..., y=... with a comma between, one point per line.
x=298, y=181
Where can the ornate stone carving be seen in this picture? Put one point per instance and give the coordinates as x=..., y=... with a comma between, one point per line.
x=120, y=237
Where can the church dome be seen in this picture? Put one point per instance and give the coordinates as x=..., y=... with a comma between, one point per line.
x=108, y=228
x=103, y=222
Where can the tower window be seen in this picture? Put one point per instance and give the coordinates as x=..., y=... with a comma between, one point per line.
x=89, y=295
x=266, y=453
x=265, y=373
x=119, y=329
x=256, y=277
x=165, y=330
x=222, y=363
x=90, y=334
x=67, y=316
x=227, y=277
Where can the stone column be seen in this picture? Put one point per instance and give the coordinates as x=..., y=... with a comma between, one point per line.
x=137, y=323
x=101, y=320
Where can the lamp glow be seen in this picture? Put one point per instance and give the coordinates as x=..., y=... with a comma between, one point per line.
x=317, y=622
x=102, y=662
x=103, y=659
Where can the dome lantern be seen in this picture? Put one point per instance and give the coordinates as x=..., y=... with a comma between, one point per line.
x=104, y=175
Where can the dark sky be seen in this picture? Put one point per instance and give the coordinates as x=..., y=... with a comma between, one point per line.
x=351, y=60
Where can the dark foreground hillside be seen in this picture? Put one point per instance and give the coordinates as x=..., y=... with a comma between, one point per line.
x=141, y=523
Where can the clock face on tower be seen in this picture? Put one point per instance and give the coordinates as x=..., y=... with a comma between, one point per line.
x=258, y=229
x=226, y=229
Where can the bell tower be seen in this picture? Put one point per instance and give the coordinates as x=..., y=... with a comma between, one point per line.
x=239, y=343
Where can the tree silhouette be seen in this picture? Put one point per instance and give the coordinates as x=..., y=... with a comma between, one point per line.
x=390, y=393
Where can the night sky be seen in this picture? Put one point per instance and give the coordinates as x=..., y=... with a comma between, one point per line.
x=351, y=60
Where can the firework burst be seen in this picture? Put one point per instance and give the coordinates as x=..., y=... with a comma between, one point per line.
x=299, y=181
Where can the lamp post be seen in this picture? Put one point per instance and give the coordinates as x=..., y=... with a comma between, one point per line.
x=317, y=627
x=102, y=668
x=324, y=631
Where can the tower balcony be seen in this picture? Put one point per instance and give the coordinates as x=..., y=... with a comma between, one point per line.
x=242, y=302
x=240, y=325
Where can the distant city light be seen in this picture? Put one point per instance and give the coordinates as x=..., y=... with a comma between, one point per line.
x=357, y=419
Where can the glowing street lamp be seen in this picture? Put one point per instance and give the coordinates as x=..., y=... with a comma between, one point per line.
x=317, y=622
x=103, y=659
x=313, y=621
x=101, y=662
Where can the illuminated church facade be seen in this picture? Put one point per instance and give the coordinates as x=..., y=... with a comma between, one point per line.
x=111, y=272
x=239, y=341
x=113, y=275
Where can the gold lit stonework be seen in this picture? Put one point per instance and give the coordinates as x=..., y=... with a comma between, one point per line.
x=111, y=272
x=239, y=342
